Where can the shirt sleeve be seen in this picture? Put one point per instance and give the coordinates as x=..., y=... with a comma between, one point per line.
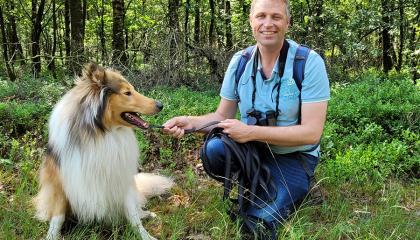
x=315, y=86
x=228, y=86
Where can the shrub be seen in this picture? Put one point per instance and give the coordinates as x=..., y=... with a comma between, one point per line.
x=393, y=104
x=374, y=162
x=372, y=130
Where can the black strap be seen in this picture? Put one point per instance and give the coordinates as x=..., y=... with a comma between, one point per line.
x=191, y=130
x=315, y=193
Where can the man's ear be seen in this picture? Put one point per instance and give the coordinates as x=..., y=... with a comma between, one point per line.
x=94, y=73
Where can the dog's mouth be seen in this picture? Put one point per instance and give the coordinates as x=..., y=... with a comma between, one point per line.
x=134, y=119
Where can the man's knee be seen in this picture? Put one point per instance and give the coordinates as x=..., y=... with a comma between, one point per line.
x=215, y=149
x=213, y=157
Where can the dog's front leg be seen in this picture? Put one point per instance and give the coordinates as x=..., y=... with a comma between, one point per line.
x=56, y=223
x=134, y=214
x=133, y=217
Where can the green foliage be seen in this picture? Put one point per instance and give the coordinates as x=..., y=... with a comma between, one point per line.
x=27, y=104
x=372, y=130
x=376, y=162
x=19, y=118
x=394, y=104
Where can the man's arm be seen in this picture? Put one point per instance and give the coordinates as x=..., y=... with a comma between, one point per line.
x=177, y=125
x=309, y=132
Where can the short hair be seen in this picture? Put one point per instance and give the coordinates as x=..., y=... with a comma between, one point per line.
x=284, y=1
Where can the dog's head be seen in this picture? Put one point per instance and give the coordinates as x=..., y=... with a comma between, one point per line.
x=114, y=100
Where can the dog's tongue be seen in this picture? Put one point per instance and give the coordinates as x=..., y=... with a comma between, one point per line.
x=136, y=120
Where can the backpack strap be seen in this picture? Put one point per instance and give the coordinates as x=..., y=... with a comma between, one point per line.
x=301, y=56
x=245, y=56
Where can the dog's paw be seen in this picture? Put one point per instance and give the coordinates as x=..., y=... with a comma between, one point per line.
x=148, y=214
x=52, y=237
x=147, y=236
x=152, y=215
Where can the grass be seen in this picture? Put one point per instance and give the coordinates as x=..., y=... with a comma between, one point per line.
x=196, y=210
x=365, y=200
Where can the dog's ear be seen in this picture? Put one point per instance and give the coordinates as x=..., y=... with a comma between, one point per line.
x=94, y=73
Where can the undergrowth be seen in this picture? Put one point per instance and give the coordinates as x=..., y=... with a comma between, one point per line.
x=369, y=170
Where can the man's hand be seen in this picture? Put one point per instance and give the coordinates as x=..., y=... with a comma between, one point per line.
x=237, y=130
x=176, y=126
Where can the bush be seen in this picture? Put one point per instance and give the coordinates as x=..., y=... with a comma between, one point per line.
x=372, y=130
x=373, y=162
x=18, y=118
x=393, y=104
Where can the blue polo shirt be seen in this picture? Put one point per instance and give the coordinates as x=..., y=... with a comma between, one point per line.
x=315, y=88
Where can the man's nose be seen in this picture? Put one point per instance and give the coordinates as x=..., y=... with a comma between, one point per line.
x=268, y=22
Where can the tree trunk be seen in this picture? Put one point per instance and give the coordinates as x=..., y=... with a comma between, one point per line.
x=126, y=32
x=244, y=18
x=147, y=53
x=84, y=16
x=228, y=31
x=186, y=27
x=16, y=51
x=319, y=27
x=402, y=36
x=173, y=21
x=51, y=64
x=119, y=56
x=212, y=22
x=67, y=27
x=221, y=27
x=197, y=22
x=413, y=46
x=76, y=30
x=37, y=16
x=102, y=32
x=9, y=69
x=386, y=38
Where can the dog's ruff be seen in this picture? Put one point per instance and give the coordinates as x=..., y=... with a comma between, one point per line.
x=90, y=169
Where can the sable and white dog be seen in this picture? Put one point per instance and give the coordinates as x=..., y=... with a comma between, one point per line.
x=90, y=168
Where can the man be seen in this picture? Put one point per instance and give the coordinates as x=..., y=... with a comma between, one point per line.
x=266, y=85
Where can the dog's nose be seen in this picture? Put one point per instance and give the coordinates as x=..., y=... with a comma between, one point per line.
x=159, y=105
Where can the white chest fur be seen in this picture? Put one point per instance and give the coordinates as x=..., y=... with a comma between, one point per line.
x=97, y=174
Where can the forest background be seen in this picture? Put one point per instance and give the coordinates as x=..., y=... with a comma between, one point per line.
x=177, y=51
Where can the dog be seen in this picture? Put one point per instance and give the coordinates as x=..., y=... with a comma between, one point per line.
x=90, y=166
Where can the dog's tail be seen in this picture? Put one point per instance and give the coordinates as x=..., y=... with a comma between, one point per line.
x=152, y=185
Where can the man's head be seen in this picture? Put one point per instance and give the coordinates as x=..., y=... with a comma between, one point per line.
x=269, y=21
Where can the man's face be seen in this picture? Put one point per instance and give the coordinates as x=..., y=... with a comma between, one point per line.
x=269, y=22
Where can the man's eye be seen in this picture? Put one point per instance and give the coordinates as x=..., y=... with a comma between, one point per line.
x=128, y=93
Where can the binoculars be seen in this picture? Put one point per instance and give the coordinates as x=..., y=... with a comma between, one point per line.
x=255, y=118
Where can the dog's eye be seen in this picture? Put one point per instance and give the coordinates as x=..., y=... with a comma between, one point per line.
x=128, y=93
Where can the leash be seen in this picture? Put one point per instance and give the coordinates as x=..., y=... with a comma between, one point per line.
x=191, y=130
x=245, y=168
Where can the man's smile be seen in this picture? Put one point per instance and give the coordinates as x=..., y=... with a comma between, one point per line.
x=267, y=32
